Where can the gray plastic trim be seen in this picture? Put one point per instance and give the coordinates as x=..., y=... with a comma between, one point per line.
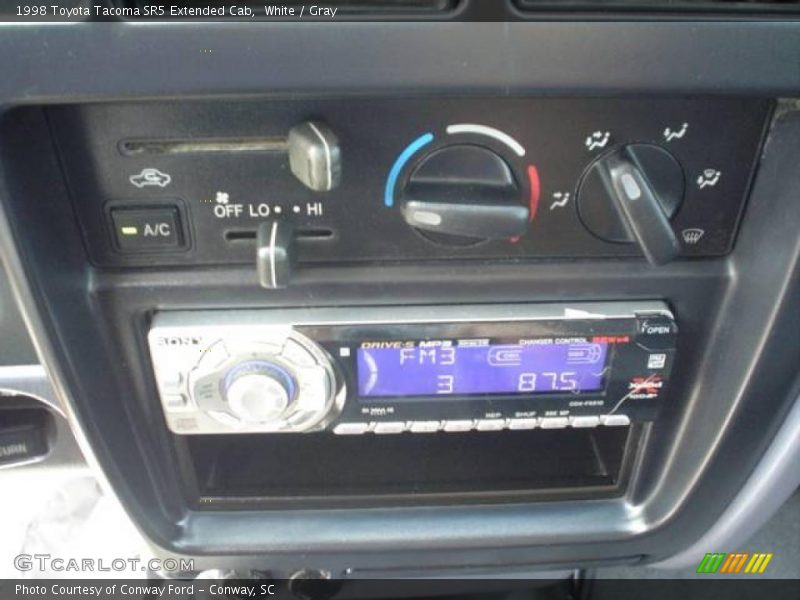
x=31, y=381
x=28, y=380
x=775, y=479
x=37, y=380
x=70, y=62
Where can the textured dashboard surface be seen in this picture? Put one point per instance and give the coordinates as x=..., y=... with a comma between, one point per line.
x=16, y=347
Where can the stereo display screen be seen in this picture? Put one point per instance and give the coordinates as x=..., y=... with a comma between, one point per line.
x=479, y=367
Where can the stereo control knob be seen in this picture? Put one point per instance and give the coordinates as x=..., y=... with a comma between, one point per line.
x=258, y=391
x=462, y=194
x=629, y=195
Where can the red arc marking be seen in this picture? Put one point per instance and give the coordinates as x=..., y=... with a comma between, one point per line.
x=533, y=178
x=533, y=201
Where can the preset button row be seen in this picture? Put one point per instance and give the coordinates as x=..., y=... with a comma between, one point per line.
x=386, y=427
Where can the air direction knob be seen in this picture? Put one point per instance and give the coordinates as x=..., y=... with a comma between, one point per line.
x=629, y=195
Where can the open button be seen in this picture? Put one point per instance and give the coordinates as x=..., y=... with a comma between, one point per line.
x=141, y=229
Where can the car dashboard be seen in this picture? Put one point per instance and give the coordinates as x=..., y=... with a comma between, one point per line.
x=412, y=297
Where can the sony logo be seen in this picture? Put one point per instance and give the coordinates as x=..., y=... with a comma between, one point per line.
x=178, y=340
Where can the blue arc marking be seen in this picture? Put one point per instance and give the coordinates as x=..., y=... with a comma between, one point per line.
x=397, y=167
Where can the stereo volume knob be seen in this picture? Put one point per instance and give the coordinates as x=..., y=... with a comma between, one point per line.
x=258, y=391
x=629, y=194
x=463, y=194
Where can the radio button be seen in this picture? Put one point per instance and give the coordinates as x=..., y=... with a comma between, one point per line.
x=491, y=424
x=225, y=418
x=171, y=380
x=313, y=388
x=424, y=426
x=615, y=420
x=588, y=421
x=206, y=392
x=270, y=346
x=518, y=424
x=185, y=424
x=554, y=423
x=175, y=402
x=389, y=427
x=457, y=426
x=297, y=354
x=351, y=428
x=656, y=332
x=656, y=325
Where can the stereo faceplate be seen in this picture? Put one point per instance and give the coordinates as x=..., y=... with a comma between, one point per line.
x=418, y=369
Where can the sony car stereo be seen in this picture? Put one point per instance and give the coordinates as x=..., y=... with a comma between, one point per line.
x=412, y=369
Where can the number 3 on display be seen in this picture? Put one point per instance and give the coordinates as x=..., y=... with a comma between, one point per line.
x=445, y=384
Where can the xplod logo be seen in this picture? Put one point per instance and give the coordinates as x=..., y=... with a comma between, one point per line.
x=734, y=563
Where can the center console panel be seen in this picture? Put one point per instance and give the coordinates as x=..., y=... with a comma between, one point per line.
x=151, y=231
x=297, y=193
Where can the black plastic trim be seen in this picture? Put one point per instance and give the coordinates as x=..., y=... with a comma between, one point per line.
x=69, y=306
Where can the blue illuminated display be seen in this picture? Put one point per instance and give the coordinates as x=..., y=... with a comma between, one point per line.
x=444, y=368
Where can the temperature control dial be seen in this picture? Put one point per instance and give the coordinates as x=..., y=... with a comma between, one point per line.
x=463, y=194
x=629, y=195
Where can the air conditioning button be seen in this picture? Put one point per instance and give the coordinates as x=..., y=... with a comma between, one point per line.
x=144, y=229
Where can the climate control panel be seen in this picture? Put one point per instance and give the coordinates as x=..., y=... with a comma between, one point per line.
x=325, y=181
